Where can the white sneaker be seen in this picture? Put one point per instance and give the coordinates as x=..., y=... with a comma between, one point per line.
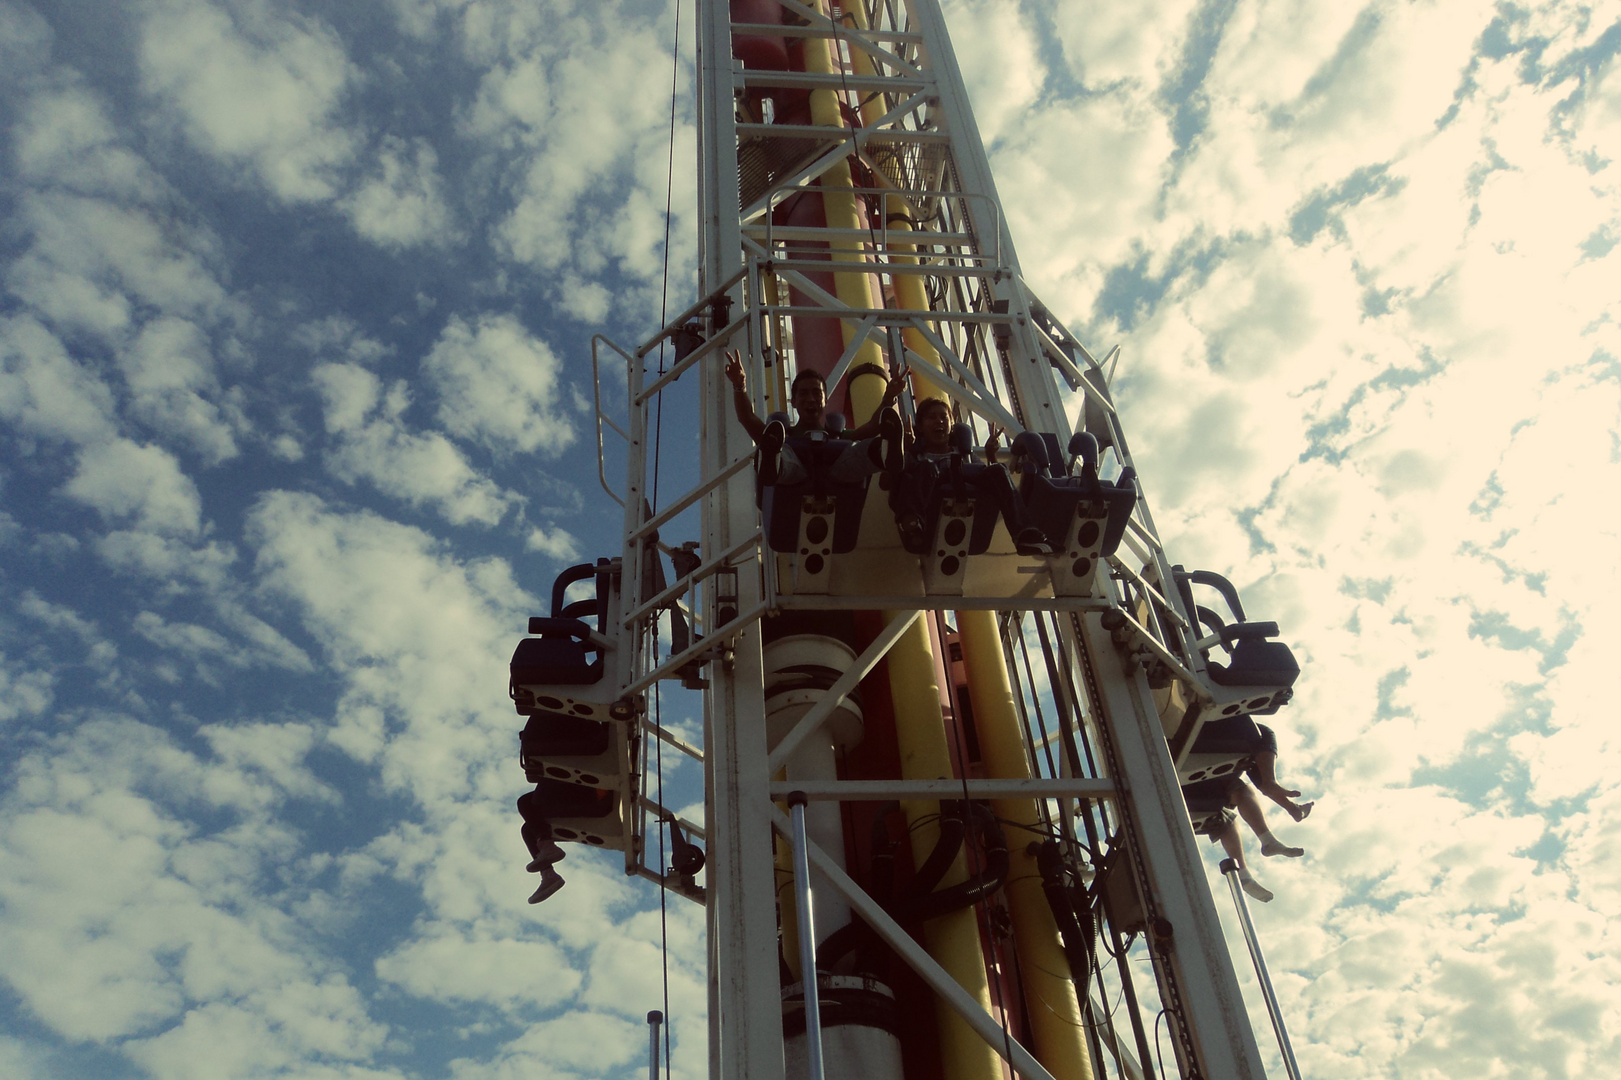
x=550, y=882
x=547, y=854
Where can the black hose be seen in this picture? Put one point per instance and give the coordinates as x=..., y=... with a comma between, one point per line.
x=1050, y=863
x=925, y=902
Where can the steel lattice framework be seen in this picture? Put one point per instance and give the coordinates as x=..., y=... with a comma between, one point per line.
x=1123, y=685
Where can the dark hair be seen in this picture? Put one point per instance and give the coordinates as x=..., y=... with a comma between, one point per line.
x=808, y=373
x=933, y=401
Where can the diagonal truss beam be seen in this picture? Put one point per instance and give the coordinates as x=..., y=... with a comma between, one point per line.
x=981, y=403
x=840, y=690
x=854, y=140
x=940, y=981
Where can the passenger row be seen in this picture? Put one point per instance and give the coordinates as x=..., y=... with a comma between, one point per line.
x=814, y=474
x=579, y=749
x=1230, y=756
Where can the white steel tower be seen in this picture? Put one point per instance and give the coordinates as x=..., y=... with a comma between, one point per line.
x=978, y=746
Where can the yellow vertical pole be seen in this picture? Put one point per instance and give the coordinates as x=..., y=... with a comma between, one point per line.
x=839, y=206
x=1053, y=1007
x=1055, y=1014
x=953, y=938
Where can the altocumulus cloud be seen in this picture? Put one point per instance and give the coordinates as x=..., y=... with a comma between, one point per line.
x=294, y=305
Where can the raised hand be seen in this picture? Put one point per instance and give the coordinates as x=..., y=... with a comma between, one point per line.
x=735, y=372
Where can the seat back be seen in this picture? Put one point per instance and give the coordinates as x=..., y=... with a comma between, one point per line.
x=1224, y=747
x=783, y=505
x=1258, y=662
x=576, y=814
x=569, y=748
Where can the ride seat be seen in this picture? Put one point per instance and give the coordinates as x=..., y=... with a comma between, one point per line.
x=1078, y=510
x=1223, y=748
x=1206, y=799
x=572, y=749
x=958, y=522
x=839, y=505
x=560, y=656
x=1254, y=660
x=576, y=814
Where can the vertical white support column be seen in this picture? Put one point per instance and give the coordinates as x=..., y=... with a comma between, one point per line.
x=1211, y=1005
x=745, y=1011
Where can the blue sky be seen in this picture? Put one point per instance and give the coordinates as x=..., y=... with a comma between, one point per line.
x=295, y=303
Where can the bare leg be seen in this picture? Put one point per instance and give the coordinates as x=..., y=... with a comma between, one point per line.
x=1234, y=847
x=1249, y=808
x=1266, y=779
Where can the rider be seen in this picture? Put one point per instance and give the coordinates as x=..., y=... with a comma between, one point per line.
x=876, y=445
x=928, y=465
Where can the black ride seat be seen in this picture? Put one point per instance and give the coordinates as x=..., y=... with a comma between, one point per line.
x=560, y=656
x=1253, y=659
x=782, y=505
x=931, y=486
x=1054, y=498
x=574, y=813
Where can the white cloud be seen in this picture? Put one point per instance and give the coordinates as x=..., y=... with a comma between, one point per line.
x=587, y=172
x=57, y=616
x=65, y=140
x=124, y=480
x=1107, y=44
x=169, y=369
x=373, y=444
x=498, y=385
x=204, y=647
x=25, y=41
x=422, y=639
x=557, y=544
x=253, y=86
x=507, y=972
x=1003, y=72
x=24, y=691
x=44, y=392
x=184, y=944
x=404, y=205
x=574, y=1044
x=169, y=559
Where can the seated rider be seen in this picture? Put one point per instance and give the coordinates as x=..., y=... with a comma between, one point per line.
x=1222, y=827
x=875, y=444
x=543, y=850
x=928, y=465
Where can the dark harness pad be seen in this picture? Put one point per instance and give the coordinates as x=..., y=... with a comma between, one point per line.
x=1052, y=502
x=1230, y=735
x=782, y=504
x=558, y=658
x=565, y=747
x=1257, y=662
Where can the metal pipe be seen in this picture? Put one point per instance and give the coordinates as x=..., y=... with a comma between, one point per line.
x=1229, y=870
x=654, y=1019
x=973, y=1009
x=1055, y=1013
x=807, y=936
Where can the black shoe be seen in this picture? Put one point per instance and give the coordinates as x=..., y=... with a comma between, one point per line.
x=550, y=882
x=1032, y=541
x=771, y=440
x=892, y=434
x=910, y=527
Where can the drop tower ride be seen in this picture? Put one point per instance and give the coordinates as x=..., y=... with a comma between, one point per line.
x=978, y=756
